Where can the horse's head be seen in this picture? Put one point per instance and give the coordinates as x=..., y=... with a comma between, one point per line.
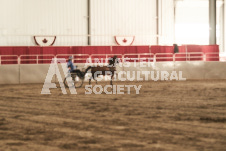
x=113, y=61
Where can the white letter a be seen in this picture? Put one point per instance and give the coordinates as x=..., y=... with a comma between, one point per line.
x=53, y=69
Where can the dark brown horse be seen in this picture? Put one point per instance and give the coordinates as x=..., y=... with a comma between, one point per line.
x=104, y=70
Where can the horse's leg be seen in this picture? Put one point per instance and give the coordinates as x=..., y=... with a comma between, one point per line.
x=91, y=78
x=112, y=77
x=96, y=79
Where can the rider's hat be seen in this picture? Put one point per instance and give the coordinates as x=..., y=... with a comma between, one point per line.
x=70, y=57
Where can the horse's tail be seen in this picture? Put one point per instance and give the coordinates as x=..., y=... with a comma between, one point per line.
x=87, y=69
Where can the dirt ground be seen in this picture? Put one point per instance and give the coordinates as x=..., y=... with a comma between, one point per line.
x=165, y=116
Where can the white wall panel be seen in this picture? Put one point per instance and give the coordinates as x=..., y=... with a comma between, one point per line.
x=166, y=22
x=192, y=22
x=123, y=17
x=67, y=19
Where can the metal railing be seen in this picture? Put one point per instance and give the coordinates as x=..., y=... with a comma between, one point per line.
x=83, y=58
x=76, y=58
x=212, y=57
x=191, y=56
x=9, y=59
x=142, y=57
x=103, y=58
x=164, y=57
x=35, y=59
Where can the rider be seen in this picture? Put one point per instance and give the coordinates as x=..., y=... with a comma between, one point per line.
x=72, y=68
x=70, y=65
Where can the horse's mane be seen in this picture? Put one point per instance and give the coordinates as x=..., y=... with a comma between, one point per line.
x=112, y=61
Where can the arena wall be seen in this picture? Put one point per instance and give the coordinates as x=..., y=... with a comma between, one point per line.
x=215, y=70
x=191, y=70
x=9, y=74
x=36, y=73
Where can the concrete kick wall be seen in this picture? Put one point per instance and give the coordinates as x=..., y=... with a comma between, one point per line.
x=191, y=70
x=215, y=70
x=36, y=73
x=201, y=70
x=9, y=74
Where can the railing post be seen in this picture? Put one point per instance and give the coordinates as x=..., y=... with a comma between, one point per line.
x=18, y=60
x=204, y=57
x=186, y=49
x=154, y=58
x=123, y=58
x=90, y=59
x=37, y=59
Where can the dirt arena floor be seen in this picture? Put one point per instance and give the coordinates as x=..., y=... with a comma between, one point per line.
x=165, y=116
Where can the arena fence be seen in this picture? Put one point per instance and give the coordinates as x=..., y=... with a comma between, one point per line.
x=34, y=68
x=82, y=58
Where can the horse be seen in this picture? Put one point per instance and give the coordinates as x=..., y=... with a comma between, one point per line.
x=98, y=70
x=104, y=70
